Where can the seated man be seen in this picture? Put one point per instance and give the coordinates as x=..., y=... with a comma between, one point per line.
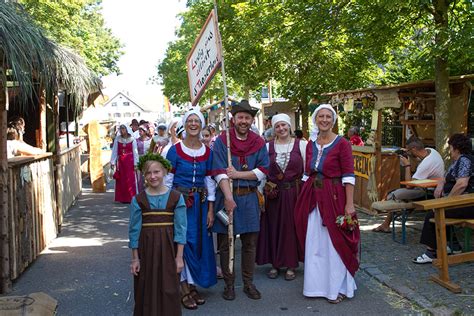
x=459, y=180
x=16, y=147
x=430, y=167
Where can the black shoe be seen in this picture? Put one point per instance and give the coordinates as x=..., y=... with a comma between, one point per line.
x=229, y=293
x=252, y=292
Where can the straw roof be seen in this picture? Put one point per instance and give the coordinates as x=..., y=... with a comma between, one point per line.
x=27, y=58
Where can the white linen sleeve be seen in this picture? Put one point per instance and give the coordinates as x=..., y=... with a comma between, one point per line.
x=220, y=177
x=303, y=145
x=260, y=175
x=211, y=188
x=113, y=158
x=349, y=180
x=168, y=180
x=135, y=152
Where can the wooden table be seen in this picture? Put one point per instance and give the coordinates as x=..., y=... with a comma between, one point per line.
x=443, y=261
x=425, y=184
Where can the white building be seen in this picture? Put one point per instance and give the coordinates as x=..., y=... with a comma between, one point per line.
x=122, y=108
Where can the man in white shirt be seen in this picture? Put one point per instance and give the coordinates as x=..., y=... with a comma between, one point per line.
x=430, y=167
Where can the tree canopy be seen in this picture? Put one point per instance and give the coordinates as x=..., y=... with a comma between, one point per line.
x=311, y=47
x=79, y=25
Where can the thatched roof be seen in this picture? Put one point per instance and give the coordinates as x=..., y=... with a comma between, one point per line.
x=28, y=57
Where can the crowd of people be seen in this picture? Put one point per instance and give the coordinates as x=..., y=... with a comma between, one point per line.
x=283, y=196
x=290, y=201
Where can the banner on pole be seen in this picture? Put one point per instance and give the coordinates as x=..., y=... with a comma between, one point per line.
x=204, y=59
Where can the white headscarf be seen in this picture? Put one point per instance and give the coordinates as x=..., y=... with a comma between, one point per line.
x=197, y=111
x=314, y=133
x=174, y=120
x=128, y=128
x=282, y=117
x=180, y=129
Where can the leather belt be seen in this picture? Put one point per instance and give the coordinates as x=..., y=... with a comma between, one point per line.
x=239, y=191
x=188, y=191
x=288, y=185
x=318, y=181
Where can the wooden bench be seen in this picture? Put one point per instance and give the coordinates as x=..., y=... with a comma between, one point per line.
x=399, y=211
x=443, y=261
x=467, y=224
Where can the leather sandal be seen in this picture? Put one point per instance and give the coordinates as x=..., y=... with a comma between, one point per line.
x=381, y=229
x=273, y=273
x=340, y=298
x=197, y=297
x=188, y=302
x=290, y=274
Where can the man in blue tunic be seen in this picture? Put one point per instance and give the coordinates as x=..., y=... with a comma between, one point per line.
x=250, y=163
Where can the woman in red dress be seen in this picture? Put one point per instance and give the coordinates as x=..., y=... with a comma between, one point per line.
x=330, y=252
x=277, y=242
x=123, y=161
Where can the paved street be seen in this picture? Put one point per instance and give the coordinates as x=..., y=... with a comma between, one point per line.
x=86, y=270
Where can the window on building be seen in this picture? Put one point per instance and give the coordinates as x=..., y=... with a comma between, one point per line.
x=136, y=114
x=126, y=103
x=117, y=114
x=127, y=114
x=114, y=103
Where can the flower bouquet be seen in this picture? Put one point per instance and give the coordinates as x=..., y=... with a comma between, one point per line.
x=347, y=222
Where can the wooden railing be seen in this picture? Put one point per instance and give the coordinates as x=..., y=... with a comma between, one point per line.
x=69, y=179
x=32, y=209
x=37, y=200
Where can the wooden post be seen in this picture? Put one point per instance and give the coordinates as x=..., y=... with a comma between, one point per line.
x=95, y=159
x=58, y=170
x=442, y=253
x=6, y=284
x=41, y=139
x=378, y=155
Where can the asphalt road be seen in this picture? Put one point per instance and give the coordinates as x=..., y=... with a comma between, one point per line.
x=87, y=270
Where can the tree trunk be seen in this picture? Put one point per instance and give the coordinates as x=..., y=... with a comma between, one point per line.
x=304, y=112
x=246, y=93
x=6, y=285
x=304, y=119
x=442, y=76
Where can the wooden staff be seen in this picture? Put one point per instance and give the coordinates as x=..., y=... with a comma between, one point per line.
x=230, y=227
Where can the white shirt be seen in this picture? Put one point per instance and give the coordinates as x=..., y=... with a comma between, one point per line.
x=16, y=147
x=432, y=166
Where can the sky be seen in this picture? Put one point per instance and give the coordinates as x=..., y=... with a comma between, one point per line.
x=145, y=27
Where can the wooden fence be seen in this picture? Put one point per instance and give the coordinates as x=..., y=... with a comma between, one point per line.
x=37, y=201
x=69, y=179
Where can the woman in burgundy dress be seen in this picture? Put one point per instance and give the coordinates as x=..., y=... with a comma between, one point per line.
x=277, y=243
x=123, y=161
x=330, y=252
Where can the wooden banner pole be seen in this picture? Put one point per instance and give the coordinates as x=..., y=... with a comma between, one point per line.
x=230, y=227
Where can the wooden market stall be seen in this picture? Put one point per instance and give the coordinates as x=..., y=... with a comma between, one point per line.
x=377, y=165
x=35, y=191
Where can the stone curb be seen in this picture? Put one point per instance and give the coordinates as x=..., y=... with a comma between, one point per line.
x=404, y=291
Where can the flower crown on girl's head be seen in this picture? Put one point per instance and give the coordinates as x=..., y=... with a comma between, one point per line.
x=156, y=157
